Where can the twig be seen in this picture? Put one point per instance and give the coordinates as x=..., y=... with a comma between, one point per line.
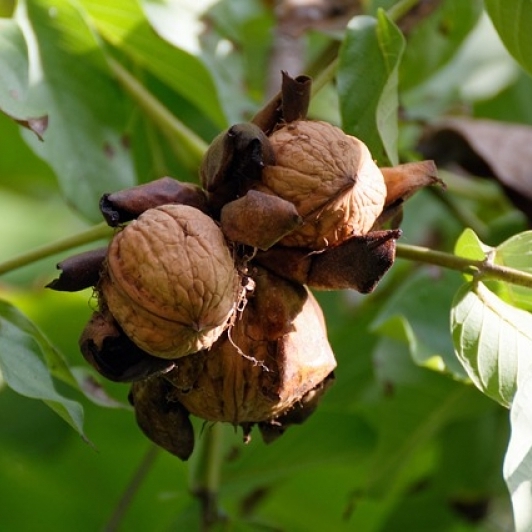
x=131, y=489
x=478, y=268
x=205, y=476
x=92, y=234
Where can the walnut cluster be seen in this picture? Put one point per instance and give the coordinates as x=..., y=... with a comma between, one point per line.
x=204, y=300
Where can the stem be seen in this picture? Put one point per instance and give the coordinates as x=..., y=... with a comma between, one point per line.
x=131, y=489
x=92, y=234
x=205, y=476
x=399, y=10
x=478, y=268
x=190, y=146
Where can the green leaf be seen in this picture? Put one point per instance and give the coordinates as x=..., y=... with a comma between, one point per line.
x=125, y=26
x=513, y=20
x=470, y=246
x=492, y=340
x=84, y=142
x=446, y=30
x=177, y=21
x=21, y=349
x=367, y=83
x=417, y=315
x=14, y=79
x=516, y=252
x=518, y=459
x=406, y=423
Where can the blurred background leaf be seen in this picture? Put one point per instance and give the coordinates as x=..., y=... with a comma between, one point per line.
x=511, y=19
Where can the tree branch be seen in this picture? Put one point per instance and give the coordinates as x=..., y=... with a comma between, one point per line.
x=478, y=268
x=92, y=234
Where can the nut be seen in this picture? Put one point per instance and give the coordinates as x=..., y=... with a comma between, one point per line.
x=330, y=177
x=171, y=283
x=274, y=355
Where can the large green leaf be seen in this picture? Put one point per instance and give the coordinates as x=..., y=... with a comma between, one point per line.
x=84, y=142
x=518, y=460
x=492, y=339
x=513, y=21
x=14, y=79
x=125, y=26
x=367, y=83
x=22, y=347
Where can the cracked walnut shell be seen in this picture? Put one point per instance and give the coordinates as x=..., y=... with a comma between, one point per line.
x=170, y=281
x=331, y=179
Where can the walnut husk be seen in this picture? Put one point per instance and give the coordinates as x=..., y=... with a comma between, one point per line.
x=274, y=355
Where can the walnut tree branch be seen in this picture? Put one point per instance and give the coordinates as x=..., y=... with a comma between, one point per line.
x=92, y=234
x=479, y=268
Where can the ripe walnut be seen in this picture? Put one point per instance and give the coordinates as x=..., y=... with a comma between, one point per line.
x=331, y=179
x=170, y=281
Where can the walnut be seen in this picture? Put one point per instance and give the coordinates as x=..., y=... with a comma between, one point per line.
x=204, y=302
x=331, y=179
x=170, y=281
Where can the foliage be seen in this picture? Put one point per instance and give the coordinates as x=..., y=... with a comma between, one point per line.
x=96, y=96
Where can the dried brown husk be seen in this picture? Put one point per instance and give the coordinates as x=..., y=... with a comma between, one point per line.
x=270, y=359
x=162, y=420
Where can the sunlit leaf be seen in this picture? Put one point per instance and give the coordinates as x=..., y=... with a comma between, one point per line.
x=125, y=26
x=516, y=252
x=518, y=460
x=21, y=350
x=492, y=339
x=84, y=142
x=178, y=21
x=470, y=246
x=512, y=21
x=14, y=79
x=367, y=83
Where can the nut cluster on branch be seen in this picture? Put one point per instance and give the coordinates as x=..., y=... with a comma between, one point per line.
x=204, y=300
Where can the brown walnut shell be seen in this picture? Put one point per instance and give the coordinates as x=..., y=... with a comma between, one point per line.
x=171, y=283
x=331, y=179
x=275, y=354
